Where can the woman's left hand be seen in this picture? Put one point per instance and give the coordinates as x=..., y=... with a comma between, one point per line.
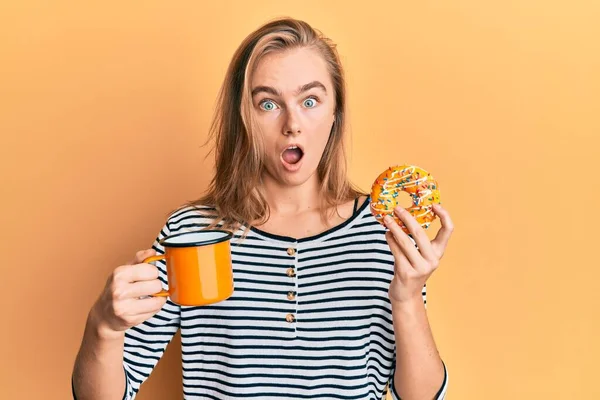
x=413, y=266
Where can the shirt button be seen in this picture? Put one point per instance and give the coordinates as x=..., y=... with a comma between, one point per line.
x=290, y=272
x=290, y=318
x=291, y=251
x=291, y=295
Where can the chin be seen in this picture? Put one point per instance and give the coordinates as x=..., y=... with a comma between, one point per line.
x=296, y=178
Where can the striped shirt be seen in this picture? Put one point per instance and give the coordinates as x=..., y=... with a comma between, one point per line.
x=325, y=332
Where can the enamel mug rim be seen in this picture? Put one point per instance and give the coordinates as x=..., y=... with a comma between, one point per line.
x=167, y=241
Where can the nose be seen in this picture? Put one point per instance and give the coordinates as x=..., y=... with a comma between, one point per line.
x=291, y=125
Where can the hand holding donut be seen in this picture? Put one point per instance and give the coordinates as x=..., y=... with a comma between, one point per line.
x=413, y=265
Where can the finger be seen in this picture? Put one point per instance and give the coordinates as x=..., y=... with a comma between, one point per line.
x=417, y=232
x=147, y=305
x=440, y=242
x=402, y=265
x=135, y=273
x=144, y=288
x=406, y=245
x=141, y=255
x=395, y=248
x=144, y=272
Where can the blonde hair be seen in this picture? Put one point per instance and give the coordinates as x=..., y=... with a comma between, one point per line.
x=235, y=191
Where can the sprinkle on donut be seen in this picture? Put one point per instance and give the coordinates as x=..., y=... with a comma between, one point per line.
x=418, y=183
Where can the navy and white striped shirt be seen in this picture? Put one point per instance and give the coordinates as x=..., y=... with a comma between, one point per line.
x=325, y=332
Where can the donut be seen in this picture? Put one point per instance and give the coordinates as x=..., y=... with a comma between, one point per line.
x=415, y=181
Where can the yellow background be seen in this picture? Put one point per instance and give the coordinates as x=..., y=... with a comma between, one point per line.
x=104, y=107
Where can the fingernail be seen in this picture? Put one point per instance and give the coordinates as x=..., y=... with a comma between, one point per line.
x=387, y=219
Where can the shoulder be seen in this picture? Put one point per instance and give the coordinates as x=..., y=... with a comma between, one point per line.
x=191, y=217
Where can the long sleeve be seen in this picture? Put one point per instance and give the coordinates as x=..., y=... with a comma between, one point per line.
x=146, y=342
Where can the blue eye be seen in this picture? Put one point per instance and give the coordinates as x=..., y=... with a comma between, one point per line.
x=268, y=105
x=310, y=102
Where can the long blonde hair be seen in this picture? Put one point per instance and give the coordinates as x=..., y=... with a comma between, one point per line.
x=235, y=191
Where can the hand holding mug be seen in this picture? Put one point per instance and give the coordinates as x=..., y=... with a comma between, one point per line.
x=199, y=272
x=127, y=299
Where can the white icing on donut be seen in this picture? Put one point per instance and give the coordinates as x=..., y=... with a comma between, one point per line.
x=391, y=188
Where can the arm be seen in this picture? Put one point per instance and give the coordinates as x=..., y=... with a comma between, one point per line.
x=98, y=371
x=419, y=370
x=113, y=366
x=124, y=335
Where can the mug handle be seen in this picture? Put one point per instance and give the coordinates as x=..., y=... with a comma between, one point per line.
x=162, y=293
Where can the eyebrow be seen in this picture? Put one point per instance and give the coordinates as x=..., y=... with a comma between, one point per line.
x=301, y=89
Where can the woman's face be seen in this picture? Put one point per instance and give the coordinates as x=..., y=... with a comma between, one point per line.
x=294, y=104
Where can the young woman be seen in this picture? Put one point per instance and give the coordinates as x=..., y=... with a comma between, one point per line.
x=328, y=303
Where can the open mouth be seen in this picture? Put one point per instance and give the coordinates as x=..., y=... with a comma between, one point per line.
x=292, y=155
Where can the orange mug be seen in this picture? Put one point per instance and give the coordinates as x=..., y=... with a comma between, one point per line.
x=199, y=269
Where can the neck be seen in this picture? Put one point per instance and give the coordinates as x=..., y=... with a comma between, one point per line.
x=291, y=200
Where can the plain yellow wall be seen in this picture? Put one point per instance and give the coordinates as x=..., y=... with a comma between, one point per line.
x=104, y=107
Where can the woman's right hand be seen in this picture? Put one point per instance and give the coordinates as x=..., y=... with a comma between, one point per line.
x=123, y=302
